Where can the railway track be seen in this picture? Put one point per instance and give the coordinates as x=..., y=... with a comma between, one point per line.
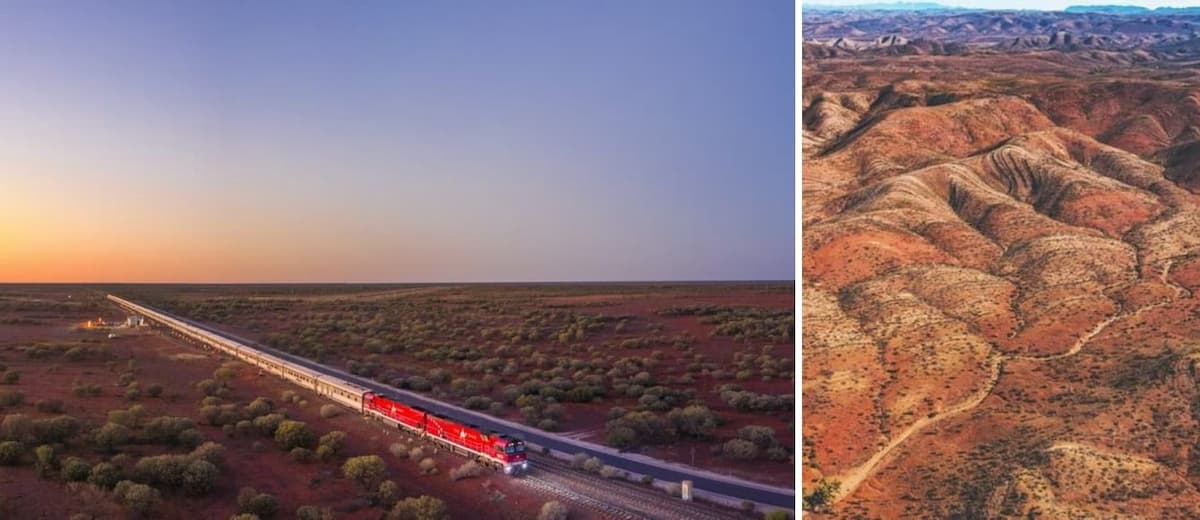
x=618, y=498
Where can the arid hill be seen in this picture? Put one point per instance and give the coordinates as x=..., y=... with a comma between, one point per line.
x=1001, y=248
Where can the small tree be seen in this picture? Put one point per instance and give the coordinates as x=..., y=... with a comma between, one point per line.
x=330, y=411
x=366, y=469
x=553, y=510
x=200, y=477
x=824, y=492
x=294, y=434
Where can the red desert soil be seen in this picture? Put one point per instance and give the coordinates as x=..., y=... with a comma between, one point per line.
x=504, y=308
x=251, y=460
x=1000, y=265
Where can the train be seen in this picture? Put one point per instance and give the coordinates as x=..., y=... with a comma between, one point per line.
x=496, y=450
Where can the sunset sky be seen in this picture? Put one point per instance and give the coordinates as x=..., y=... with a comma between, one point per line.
x=396, y=141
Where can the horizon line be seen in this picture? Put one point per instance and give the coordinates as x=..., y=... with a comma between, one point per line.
x=525, y=282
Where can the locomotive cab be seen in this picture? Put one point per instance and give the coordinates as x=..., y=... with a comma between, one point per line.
x=513, y=452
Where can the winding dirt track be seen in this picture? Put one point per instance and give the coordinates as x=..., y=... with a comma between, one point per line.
x=854, y=478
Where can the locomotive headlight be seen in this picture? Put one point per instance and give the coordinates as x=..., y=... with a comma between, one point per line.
x=524, y=464
x=508, y=469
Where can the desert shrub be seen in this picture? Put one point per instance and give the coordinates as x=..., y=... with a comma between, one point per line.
x=44, y=460
x=549, y=425
x=263, y=505
x=335, y=440
x=695, y=421
x=154, y=390
x=289, y=396
x=44, y=405
x=325, y=453
x=108, y=437
x=824, y=492
x=592, y=465
x=578, y=460
x=81, y=389
x=105, y=475
x=302, y=455
x=648, y=480
x=416, y=453
x=417, y=383
x=121, y=417
x=365, y=469
x=9, y=398
x=428, y=466
x=208, y=387
x=75, y=354
x=477, y=402
x=740, y=449
x=267, y=424
x=162, y=470
x=496, y=408
x=330, y=411
x=138, y=497
x=777, y=514
x=387, y=495
x=467, y=470
x=133, y=393
x=11, y=453
x=17, y=427
x=210, y=451
x=609, y=472
x=398, y=450
x=313, y=513
x=56, y=429
x=126, y=379
x=553, y=510
x=778, y=453
x=639, y=427
x=225, y=373
x=761, y=436
x=220, y=415
x=200, y=477
x=423, y=507
x=75, y=469
x=243, y=428
x=294, y=434
x=11, y=378
x=168, y=430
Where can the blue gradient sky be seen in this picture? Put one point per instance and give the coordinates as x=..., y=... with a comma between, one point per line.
x=396, y=141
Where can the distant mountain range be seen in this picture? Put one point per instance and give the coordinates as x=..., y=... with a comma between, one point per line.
x=932, y=6
x=1131, y=9
x=887, y=6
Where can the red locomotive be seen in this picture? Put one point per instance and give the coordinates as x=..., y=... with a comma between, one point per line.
x=496, y=450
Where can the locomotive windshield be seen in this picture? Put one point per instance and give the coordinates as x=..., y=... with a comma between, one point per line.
x=515, y=447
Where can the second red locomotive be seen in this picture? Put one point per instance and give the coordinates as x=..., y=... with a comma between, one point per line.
x=491, y=449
